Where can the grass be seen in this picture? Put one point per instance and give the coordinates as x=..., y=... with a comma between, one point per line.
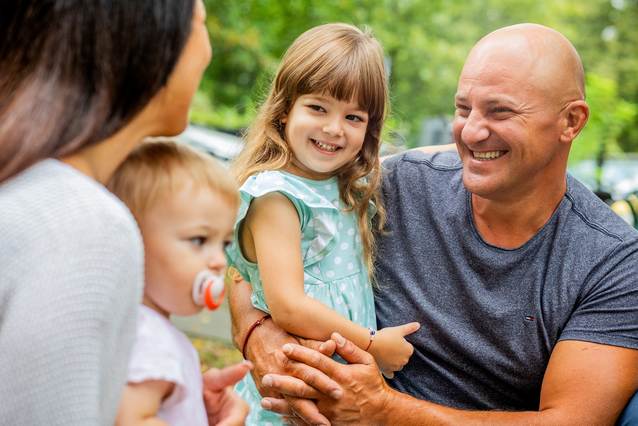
x=215, y=352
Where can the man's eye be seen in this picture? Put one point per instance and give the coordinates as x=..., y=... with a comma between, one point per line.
x=198, y=241
x=462, y=110
x=501, y=110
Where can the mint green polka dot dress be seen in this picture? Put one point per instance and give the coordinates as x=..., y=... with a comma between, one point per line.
x=334, y=271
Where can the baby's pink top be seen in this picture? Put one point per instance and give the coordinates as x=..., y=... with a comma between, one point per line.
x=162, y=352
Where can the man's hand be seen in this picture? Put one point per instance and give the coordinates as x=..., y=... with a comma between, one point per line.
x=265, y=349
x=348, y=394
x=223, y=406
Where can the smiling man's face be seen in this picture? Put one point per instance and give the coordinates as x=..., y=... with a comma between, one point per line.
x=507, y=122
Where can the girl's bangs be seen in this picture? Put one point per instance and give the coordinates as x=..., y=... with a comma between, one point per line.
x=348, y=80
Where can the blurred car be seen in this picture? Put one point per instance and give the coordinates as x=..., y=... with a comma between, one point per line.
x=222, y=145
x=619, y=175
x=627, y=208
x=618, y=184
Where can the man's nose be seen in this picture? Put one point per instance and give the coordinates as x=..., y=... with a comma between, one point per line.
x=474, y=128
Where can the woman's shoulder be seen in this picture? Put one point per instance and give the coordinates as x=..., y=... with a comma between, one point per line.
x=52, y=194
x=52, y=208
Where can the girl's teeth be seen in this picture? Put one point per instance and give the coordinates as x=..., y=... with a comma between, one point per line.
x=324, y=146
x=487, y=155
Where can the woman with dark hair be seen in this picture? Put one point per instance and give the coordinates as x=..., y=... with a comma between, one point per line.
x=81, y=84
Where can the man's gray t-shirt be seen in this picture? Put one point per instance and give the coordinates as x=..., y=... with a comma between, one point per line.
x=490, y=317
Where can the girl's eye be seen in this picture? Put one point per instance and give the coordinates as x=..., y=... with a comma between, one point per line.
x=198, y=241
x=355, y=118
x=318, y=108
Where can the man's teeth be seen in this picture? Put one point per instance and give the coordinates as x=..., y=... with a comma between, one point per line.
x=487, y=155
x=325, y=146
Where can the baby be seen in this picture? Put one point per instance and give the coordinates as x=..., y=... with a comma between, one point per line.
x=185, y=205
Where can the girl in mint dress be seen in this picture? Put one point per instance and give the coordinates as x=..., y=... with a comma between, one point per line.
x=310, y=175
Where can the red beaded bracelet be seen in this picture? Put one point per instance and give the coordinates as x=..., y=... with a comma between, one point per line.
x=252, y=328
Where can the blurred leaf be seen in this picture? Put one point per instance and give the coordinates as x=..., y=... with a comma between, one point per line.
x=609, y=115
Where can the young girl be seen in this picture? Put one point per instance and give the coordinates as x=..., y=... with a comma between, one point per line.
x=310, y=174
x=185, y=205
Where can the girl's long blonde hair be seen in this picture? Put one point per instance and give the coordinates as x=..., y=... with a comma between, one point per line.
x=346, y=63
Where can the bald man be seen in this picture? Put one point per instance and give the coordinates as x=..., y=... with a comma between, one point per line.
x=525, y=284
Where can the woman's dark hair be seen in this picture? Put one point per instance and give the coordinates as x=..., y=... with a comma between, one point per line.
x=74, y=72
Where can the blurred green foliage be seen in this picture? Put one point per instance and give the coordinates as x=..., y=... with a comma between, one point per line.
x=425, y=42
x=610, y=115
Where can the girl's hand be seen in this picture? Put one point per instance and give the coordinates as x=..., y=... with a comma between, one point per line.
x=390, y=349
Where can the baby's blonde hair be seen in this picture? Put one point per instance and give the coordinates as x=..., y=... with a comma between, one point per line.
x=343, y=62
x=158, y=168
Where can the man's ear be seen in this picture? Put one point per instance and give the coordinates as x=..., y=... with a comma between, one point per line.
x=575, y=115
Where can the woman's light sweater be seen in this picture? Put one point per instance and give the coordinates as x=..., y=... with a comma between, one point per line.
x=71, y=277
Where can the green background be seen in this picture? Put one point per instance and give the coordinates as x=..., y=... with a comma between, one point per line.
x=426, y=43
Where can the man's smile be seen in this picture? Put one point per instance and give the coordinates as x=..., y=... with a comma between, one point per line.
x=487, y=155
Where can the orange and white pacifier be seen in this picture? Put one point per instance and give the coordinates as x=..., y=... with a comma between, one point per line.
x=208, y=290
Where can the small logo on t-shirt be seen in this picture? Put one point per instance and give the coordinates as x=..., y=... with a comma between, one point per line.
x=530, y=318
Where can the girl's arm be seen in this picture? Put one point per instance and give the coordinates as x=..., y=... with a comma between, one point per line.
x=274, y=230
x=141, y=402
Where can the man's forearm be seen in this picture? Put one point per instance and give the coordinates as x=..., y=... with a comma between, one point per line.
x=264, y=341
x=242, y=313
x=402, y=409
x=584, y=383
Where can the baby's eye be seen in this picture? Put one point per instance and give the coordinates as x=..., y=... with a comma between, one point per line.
x=227, y=243
x=198, y=241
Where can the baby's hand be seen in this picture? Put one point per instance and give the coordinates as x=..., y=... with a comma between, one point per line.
x=390, y=349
